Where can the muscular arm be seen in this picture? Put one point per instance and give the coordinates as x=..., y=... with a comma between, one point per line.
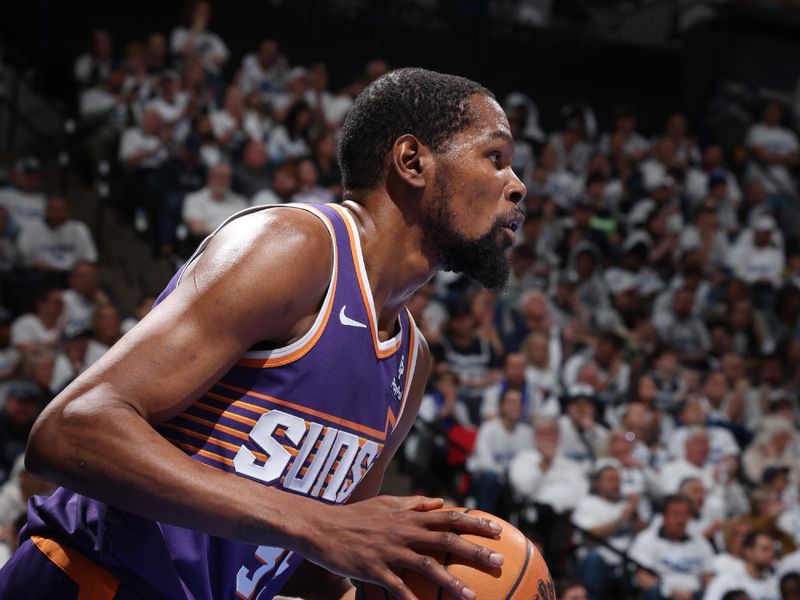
x=98, y=438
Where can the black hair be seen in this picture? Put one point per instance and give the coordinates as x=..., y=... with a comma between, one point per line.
x=431, y=106
x=736, y=595
x=676, y=499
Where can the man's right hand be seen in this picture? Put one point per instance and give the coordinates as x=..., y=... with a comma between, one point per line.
x=388, y=534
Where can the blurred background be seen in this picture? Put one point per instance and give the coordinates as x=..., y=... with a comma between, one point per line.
x=630, y=400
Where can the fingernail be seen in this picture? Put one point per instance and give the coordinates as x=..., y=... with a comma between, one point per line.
x=468, y=594
x=495, y=526
x=496, y=559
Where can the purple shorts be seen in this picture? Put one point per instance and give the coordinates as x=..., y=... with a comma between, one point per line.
x=43, y=569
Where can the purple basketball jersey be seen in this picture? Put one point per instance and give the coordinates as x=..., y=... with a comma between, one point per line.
x=309, y=419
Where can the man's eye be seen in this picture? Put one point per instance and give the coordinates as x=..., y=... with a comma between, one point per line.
x=496, y=157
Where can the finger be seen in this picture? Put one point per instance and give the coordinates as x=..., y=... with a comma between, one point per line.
x=453, y=520
x=423, y=503
x=449, y=542
x=397, y=586
x=430, y=567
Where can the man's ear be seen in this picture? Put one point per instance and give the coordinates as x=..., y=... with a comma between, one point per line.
x=411, y=160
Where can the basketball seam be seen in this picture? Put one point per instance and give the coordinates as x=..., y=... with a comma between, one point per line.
x=521, y=571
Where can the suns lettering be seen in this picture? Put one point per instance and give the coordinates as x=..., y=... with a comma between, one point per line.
x=314, y=460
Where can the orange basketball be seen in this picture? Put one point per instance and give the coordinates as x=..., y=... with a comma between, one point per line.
x=523, y=576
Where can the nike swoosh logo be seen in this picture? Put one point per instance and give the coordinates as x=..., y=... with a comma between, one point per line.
x=345, y=320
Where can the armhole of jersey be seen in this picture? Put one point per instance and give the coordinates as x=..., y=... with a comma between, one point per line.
x=282, y=356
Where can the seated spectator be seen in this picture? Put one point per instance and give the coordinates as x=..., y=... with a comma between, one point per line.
x=293, y=93
x=291, y=139
x=308, y=188
x=498, y=441
x=9, y=355
x=775, y=152
x=41, y=328
x=21, y=406
x=282, y=189
x=731, y=555
x=145, y=147
x=694, y=414
x=324, y=156
x=106, y=326
x=706, y=237
x=677, y=564
x=174, y=106
x=254, y=173
x=38, y=367
x=58, y=243
x=193, y=39
x=471, y=356
x=92, y=67
x=571, y=590
x=613, y=371
x=533, y=316
x=663, y=161
x=608, y=516
x=543, y=477
x=757, y=256
x=78, y=352
x=754, y=575
x=105, y=110
x=24, y=199
x=83, y=294
x=206, y=209
x=583, y=439
x=637, y=478
x=235, y=125
x=680, y=329
x=776, y=444
x=156, y=53
x=694, y=463
x=513, y=378
x=263, y=70
x=540, y=377
x=686, y=150
x=635, y=146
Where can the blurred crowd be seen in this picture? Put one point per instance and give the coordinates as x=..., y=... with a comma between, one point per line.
x=630, y=399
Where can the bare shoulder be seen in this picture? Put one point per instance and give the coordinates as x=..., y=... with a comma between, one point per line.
x=271, y=267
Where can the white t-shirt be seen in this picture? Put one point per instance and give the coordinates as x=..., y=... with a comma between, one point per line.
x=752, y=264
x=495, y=446
x=22, y=207
x=737, y=578
x=674, y=472
x=60, y=248
x=579, y=447
x=789, y=564
x=594, y=511
x=200, y=206
x=777, y=140
x=134, y=140
x=222, y=123
x=208, y=46
x=78, y=308
x=560, y=487
x=28, y=329
x=720, y=442
x=255, y=77
x=680, y=564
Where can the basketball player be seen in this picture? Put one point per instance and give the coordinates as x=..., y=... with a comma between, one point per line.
x=246, y=422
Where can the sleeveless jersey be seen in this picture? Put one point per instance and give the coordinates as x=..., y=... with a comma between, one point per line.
x=309, y=419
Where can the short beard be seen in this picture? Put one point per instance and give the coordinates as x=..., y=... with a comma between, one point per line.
x=483, y=259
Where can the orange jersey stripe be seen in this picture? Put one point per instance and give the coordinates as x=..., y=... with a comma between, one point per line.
x=268, y=363
x=381, y=435
x=94, y=582
x=362, y=286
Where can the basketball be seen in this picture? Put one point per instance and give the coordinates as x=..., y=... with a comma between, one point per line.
x=523, y=576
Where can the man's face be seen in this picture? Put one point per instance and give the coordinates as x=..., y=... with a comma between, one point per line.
x=515, y=368
x=577, y=592
x=511, y=405
x=84, y=279
x=472, y=214
x=676, y=518
x=607, y=484
x=697, y=450
x=762, y=553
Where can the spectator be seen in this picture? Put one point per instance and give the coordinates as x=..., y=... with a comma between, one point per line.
x=614, y=373
x=754, y=575
x=41, y=328
x=208, y=208
x=263, y=70
x=193, y=39
x=292, y=94
x=24, y=199
x=284, y=185
x=790, y=586
x=235, y=125
x=174, y=106
x=156, y=58
x=757, y=257
x=106, y=327
x=676, y=564
x=78, y=352
x=93, y=67
x=83, y=295
x=543, y=477
x=324, y=156
x=694, y=463
x=541, y=379
x=58, y=243
x=143, y=307
x=21, y=406
x=292, y=139
x=694, y=415
x=775, y=152
x=571, y=590
x=308, y=188
x=633, y=144
x=776, y=444
x=583, y=439
x=606, y=516
x=254, y=173
x=498, y=441
x=513, y=378
x=681, y=330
